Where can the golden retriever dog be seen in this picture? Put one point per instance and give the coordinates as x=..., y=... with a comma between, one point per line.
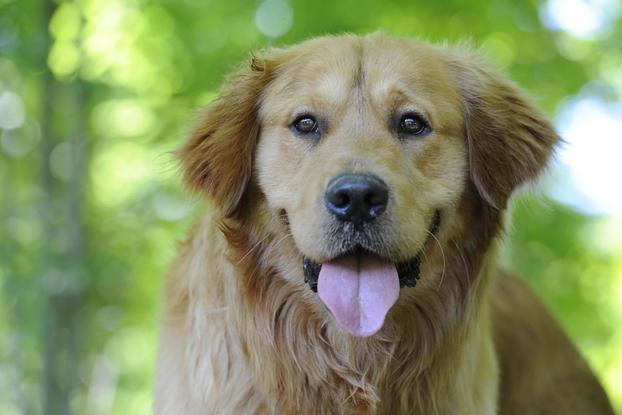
x=347, y=263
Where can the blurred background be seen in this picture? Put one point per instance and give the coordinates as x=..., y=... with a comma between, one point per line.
x=94, y=94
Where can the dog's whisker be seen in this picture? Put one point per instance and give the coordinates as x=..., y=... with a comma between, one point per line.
x=425, y=256
x=443, y=256
x=252, y=248
x=274, y=245
x=466, y=267
x=277, y=243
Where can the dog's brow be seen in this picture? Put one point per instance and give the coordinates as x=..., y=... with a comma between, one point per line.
x=401, y=100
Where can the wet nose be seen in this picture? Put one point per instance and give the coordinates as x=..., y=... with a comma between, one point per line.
x=356, y=198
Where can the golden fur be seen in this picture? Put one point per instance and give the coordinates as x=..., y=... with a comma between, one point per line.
x=243, y=334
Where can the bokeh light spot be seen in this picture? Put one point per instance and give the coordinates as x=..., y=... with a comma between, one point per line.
x=581, y=18
x=501, y=47
x=64, y=58
x=574, y=49
x=65, y=23
x=590, y=157
x=12, y=111
x=274, y=18
x=123, y=118
x=13, y=144
x=23, y=231
x=119, y=170
x=610, y=69
x=171, y=208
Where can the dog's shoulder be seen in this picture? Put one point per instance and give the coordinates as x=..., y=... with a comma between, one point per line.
x=541, y=370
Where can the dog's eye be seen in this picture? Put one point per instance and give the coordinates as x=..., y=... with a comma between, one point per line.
x=413, y=124
x=305, y=124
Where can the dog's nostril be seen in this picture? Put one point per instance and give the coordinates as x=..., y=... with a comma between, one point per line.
x=340, y=199
x=356, y=198
x=374, y=199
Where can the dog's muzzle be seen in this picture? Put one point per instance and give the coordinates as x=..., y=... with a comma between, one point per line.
x=408, y=271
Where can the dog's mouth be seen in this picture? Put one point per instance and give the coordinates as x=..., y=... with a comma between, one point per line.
x=359, y=287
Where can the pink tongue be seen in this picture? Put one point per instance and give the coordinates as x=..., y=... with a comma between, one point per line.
x=359, y=290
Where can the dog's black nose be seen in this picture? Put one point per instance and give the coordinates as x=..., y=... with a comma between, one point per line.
x=356, y=198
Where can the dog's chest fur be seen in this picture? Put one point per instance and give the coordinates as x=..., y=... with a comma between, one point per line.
x=277, y=357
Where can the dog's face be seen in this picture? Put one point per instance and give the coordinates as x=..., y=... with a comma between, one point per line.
x=360, y=146
x=364, y=148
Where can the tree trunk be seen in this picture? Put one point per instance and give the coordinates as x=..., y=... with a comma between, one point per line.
x=62, y=265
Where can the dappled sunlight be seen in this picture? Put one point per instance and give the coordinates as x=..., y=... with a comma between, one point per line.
x=65, y=26
x=120, y=172
x=122, y=119
x=64, y=58
x=133, y=48
x=581, y=18
x=592, y=131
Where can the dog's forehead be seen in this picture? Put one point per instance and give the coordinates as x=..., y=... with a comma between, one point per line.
x=319, y=66
x=387, y=71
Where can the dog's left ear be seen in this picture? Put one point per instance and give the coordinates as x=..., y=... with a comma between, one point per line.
x=217, y=157
x=509, y=139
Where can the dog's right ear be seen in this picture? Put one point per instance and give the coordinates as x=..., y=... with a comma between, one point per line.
x=217, y=157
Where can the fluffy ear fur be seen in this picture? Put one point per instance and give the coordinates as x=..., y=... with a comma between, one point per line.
x=509, y=139
x=217, y=157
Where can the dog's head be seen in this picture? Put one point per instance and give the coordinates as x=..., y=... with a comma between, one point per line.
x=364, y=149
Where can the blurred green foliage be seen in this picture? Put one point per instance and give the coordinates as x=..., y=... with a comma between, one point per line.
x=101, y=91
